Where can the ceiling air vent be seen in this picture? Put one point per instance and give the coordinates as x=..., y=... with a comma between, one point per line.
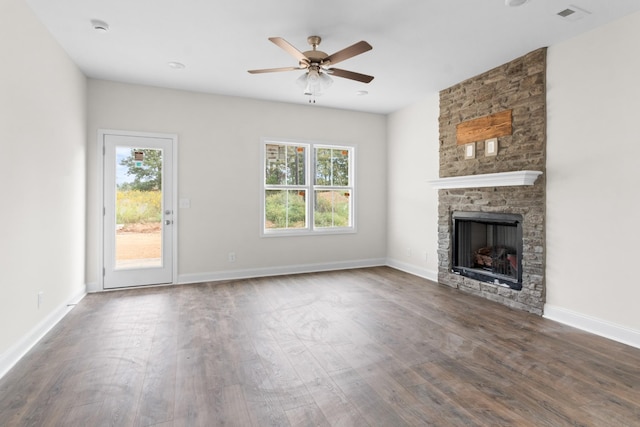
x=573, y=13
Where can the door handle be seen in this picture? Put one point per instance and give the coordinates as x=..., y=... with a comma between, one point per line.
x=167, y=222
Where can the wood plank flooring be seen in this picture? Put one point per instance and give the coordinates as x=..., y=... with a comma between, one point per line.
x=366, y=347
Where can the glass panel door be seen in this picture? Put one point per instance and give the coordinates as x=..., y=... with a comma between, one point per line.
x=138, y=211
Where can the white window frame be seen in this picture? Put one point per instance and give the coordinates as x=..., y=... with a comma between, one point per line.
x=309, y=187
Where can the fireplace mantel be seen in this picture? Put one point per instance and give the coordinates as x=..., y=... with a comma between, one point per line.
x=502, y=179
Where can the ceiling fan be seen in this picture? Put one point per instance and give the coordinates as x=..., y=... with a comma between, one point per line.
x=318, y=64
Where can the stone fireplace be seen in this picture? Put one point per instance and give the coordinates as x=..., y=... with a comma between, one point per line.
x=498, y=199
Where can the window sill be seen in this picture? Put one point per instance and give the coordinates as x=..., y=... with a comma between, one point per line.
x=302, y=233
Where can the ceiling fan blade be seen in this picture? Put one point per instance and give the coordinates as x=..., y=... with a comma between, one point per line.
x=289, y=48
x=348, y=52
x=275, y=70
x=350, y=75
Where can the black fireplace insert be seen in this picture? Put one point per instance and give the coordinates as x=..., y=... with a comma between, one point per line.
x=488, y=247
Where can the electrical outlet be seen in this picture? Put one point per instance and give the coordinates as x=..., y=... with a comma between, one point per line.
x=426, y=257
x=408, y=252
x=40, y=298
x=232, y=257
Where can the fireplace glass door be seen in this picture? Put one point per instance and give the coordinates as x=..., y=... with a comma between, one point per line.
x=488, y=247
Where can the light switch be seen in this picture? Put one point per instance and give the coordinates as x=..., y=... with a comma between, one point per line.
x=185, y=203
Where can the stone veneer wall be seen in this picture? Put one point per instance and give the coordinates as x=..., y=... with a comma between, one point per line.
x=519, y=85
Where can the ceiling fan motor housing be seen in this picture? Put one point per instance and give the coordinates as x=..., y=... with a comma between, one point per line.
x=315, y=56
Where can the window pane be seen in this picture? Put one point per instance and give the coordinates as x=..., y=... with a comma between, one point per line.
x=285, y=164
x=332, y=166
x=138, y=227
x=285, y=209
x=332, y=209
x=295, y=165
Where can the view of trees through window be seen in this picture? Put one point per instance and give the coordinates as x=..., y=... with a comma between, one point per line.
x=287, y=189
x=138, y=207
x=139, y=196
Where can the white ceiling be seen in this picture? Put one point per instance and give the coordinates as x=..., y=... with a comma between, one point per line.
x=419, y=46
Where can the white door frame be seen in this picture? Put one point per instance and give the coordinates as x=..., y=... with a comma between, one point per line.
x=100, y=205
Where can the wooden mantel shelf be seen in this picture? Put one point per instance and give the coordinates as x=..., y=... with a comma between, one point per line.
x=502, y=179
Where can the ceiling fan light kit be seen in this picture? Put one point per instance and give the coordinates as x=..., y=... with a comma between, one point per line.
x=317, y=63
x=314, y=82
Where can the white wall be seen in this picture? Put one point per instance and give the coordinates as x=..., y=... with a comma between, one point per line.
x=593, y=179
x=42, y=170
x=220, y=172
x=412, y=160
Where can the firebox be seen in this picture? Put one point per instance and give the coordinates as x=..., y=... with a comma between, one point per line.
x=488, y=247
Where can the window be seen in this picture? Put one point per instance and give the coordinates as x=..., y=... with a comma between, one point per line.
x=308, y=188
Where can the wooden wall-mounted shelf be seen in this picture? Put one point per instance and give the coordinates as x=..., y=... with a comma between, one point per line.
x=493, y=126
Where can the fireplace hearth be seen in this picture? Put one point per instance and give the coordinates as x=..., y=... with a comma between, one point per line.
x=488, y=247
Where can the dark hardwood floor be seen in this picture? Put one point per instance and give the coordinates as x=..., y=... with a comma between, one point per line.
x=367, y=347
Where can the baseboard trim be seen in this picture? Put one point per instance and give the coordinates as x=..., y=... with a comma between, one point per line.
x=277, y=271
x=93, y=287
x=593, y=325
x=412, y=269
x=16, y=352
